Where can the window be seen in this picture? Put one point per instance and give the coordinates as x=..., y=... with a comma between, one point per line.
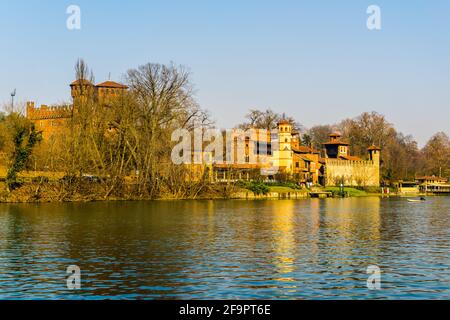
x=297, y=164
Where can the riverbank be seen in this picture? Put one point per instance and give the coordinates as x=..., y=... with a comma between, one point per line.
x=58, y=192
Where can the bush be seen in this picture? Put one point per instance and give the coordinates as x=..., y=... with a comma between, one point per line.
x=284, y=184
x=258, y=188
x=351, y=192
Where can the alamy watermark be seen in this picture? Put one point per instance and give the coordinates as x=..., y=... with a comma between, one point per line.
x=374, y=280
x=257, y=147
x=73, y=281
x=374, y=19
x=73, y=22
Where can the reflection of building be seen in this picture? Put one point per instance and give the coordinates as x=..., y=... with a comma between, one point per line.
x=353, y=222
x=52, y=120
x=283, y=238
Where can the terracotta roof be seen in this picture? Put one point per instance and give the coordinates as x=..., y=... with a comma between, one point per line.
x=284, y=121
x=373, y=148
x=335, y=135
x=238, y=166
x=338, y=142
x=81, y=81
x=303, y=157
x=304, y=149
x=111, y=84
x=308, y=157
x=350, y=158
x=432, y=178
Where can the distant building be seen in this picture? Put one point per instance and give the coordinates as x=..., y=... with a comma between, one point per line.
x=431, y=180
x=433, y=184
x=339, y=167
x=304, y=164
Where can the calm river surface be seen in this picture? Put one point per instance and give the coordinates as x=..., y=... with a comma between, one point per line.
x=304, y=249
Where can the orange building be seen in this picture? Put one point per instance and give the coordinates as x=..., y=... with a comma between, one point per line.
x=51, y=120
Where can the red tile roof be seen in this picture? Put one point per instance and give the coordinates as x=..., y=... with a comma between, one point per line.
x=284, y=121
x=335, y=135
x=350, y=158
x=434, y=178
x=111, y=84
x=304, y=149
x=337, y=143
x=81, y=81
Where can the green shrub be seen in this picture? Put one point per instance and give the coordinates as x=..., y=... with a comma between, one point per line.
x=258, y=188
x=291, y=185
x=351, y=192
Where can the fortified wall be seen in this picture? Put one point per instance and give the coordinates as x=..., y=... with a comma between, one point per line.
x=343, y=168
x=53, y=120
x=49, y=120
x=352, y=173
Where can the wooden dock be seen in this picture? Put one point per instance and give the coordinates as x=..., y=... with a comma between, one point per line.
x=321, y=194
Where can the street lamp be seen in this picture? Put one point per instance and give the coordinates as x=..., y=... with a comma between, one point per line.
x=13, y=94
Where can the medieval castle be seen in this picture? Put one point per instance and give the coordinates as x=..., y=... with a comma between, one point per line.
x=51, y=120
x=332, y=166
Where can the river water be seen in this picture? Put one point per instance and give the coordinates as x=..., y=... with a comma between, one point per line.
x=299, y=249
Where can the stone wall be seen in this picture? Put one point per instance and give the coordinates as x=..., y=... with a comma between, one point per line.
x=49, y=120
x=352, y=173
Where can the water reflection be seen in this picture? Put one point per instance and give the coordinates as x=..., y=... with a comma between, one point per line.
x=283, y=238
x=226, y=249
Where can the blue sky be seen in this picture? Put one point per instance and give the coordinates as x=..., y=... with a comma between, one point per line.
x=314, y=60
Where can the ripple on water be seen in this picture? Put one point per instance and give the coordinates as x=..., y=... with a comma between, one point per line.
x=311, y=249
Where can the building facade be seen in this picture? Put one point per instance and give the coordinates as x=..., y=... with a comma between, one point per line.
x=52, y=120
x=334, y=166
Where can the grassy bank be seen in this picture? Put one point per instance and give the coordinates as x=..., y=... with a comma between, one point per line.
x=57, y=191
x=351, y=192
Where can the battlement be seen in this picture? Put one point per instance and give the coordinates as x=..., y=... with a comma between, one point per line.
x=48, y=112
x=339, y=162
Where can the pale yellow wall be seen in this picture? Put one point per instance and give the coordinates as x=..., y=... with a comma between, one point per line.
x=355, y=173
x=284, y=157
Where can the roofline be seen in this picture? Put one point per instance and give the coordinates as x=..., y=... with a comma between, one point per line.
x=336, y=143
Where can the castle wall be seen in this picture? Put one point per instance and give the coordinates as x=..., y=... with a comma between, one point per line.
x=49, y=120
x=352, y=173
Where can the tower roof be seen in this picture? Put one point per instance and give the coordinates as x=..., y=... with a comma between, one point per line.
x=335, y=139
x=335, y=135
x=336, y=143
x=283, y=122
x=111, y=84
x=374, y=148
x=81, y=82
